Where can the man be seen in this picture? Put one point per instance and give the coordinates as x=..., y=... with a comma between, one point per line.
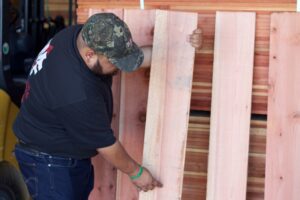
x=67, y=109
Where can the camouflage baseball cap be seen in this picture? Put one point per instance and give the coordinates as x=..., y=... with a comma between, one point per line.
x=107, y=34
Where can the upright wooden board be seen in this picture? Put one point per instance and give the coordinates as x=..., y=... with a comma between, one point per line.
x=134, y=96
x=283, y=129
x=169, y=102
x=231, y=106
x=105, y=174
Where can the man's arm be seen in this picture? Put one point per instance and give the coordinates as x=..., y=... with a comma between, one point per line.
x=117, y=156
x=147, y=50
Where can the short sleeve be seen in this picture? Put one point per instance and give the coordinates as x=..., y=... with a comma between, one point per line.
x=88, y=123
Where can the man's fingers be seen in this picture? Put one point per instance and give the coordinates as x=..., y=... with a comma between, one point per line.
x=195, y=42
x=196, y=33
x=195, y=37
x=157, y=183
x=198, y=30
x=148, y=188
x=151, y=187
x=196, y=46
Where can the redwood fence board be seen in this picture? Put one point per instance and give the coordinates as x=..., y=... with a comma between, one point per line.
x=283, y=127
x=105, y=181
x=231, y=106
x=134, y=94
x=169, y=102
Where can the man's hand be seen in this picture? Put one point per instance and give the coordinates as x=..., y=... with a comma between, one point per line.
x=117, y=156
x=196, y=39
x=146, y=181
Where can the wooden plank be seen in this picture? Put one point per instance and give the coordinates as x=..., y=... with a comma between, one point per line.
x=169, y=102
x=105, y=174
x=199, y=1
x=197, y=5
x=283, y=141
x=231, y=106
x=134, y=96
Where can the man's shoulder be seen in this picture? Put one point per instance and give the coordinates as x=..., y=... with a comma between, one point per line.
x=68, y=31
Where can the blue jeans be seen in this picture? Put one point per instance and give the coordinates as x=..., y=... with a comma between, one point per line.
x=56, y=178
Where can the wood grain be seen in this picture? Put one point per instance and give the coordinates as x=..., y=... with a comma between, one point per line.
x=283, y=141
x=231, y=106
x=195, y=172
x=134, y=96
x=169, y=102
x=105, y=174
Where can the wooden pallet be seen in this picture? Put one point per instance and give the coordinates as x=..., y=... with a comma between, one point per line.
x=201, y=95
x=195, y=175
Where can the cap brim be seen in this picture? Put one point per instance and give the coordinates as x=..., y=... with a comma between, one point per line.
x=131, y=61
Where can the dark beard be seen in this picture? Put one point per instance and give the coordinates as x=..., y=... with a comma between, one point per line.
x=98, y=69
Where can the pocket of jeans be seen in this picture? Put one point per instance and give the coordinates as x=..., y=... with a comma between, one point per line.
x=29, y=172
x=54, y=161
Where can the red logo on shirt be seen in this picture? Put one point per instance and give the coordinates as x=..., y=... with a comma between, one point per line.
x=26, y=92
x=38, y=63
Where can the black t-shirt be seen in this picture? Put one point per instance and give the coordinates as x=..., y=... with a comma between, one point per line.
x=66, y=108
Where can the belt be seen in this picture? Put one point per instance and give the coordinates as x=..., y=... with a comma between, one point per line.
x=29, y=148
x=32, y=150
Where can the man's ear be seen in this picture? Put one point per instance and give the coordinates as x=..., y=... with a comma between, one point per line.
x=89, y=54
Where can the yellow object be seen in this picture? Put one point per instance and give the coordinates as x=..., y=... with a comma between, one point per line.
x=8, y=113
x=4, y=110
x=10, y=139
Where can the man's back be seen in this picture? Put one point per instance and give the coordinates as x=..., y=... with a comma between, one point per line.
x=60, y=97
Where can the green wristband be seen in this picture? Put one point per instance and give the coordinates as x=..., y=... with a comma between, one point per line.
x=138, y=174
